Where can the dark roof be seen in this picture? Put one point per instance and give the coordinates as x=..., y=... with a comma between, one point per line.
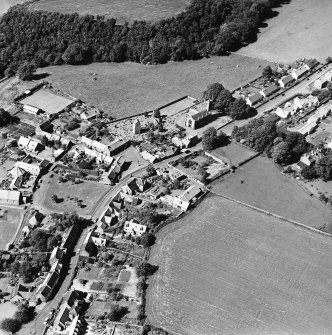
x=53, y=279
x=255, y=97
x=70, y=297
x=271, y=89
x=287, y=79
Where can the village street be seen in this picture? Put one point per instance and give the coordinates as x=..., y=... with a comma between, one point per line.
x=273, y=103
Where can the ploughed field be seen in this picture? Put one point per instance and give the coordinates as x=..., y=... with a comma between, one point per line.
x=302, y=28
x=227, y=269
x=123, y=11
x=129, y=88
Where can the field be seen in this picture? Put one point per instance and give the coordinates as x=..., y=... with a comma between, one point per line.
x=302, y=29
x=260, y=183
x=231, y=270
x=128, y=88
x=8, y=224
x=123, y=11
x=88, y=192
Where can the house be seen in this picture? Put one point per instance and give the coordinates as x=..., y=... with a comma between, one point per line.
x=328, y=75
x=33, y=169
x=307, y=102
x=175, y=202
x=141, y=183
x=98, y=241
x=284, y=81
x=311, y=64
x=46, y=289
x=185, y=142
x=192, y=193
x=136, y=127
x=70, y=238
x=269, y=91
x=10, y=197
x=198, y=115
x=100, y=157
x=131, y=187
x=307, y=159
x=254, y=99
x=149, y=157
x=95, y=145
x=56, y=255
x=26, y=231
x=300, y=72
x=116, y=168
x=320, y=82
x=134, y=228
x=36, y=219
x=29, y=144
x=286, y=111
x=89, y=114
x=320, y=114
x=308, y=128
x=20, y=294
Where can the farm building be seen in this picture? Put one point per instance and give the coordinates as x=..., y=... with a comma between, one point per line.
x=10, y=197
x=253, y=99
x=300, y=72
x=284, y=81
x=269, y=91
x=198, y=115
x=134, y=228
x=51, y=104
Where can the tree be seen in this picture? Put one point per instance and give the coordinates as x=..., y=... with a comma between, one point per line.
x=38, y=239
x=145, y=269
x=156, y=114
x=75, y=54
x=281, y=153
x=44, y=141
x=212, y=92
x=150, y=170
x=329, y=60
x=117, y=312
x=239, y=109
x=223, y=101
x=5, y=118
x=85, y=165
x=24, y=314
x=324, y=167
x=10, y=325
x=147, y=240
x=267, y=72
x=209, y=138
x=26, y=71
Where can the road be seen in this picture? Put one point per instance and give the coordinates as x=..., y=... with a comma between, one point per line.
x=299, y=88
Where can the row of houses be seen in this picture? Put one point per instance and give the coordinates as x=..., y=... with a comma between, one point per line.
x=290, y=108
x=111, y=149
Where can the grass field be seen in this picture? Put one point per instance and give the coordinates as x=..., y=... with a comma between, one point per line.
x=260, y=183
x=302, y=29
x=231, y=270
x=88, y=192
x=129, y=10
x=129, y=88
x=9, y=224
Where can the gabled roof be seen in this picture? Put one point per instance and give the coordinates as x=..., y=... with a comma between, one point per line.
x=287, y=79
x=17, y=172
x=255, y=98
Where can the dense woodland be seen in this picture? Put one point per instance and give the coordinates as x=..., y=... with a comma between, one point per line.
x=209, y=27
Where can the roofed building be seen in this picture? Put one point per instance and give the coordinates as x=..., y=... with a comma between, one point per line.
x=300, y=72
x=10, y=197
x=269, y=91
x=198, y=115
x=284, y=81
x=254, y=99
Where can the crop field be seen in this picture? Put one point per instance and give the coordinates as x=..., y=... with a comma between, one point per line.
x=123, y=11
x=227, y=269
x=259, y=183
x=9, y=221
x=88, y=192
x=129, y=88
x=301, y=29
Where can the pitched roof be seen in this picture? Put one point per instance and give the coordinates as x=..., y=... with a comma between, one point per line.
x=10, y=195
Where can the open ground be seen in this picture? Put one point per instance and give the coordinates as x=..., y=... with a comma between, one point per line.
x=122, y=11
x=128, y=88
x=301, y=29
x=88, y=192
x=233, y=270
x=9, y=221
x=260, y=184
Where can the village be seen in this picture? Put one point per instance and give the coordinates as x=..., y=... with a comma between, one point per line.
x=87, y=193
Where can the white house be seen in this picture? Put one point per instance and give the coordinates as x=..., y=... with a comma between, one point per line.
x=253, y=99
x=308, y=128
x=31, y=110
x=298, y=73
x=269, y=91
x=133, y=228
x=320, y=82
x=284, y=81
x=29, y=144
x=95, y=145
x=10, y=197
x=309, y=101
x=286, y=111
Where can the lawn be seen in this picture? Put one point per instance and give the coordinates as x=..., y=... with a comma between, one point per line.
x=260, y=183
x=129, y=88
x=7, y=310
x=88, y=192
x=227, y=269
x=8, y=224
x=302, y=29
x=129, y=10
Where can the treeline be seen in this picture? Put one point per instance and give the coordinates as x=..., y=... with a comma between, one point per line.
x=209, y=27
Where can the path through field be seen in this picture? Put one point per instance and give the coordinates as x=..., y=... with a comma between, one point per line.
x=301, y=29
x=227, y=269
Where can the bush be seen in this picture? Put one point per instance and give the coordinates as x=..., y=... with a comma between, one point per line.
x=10, y=325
